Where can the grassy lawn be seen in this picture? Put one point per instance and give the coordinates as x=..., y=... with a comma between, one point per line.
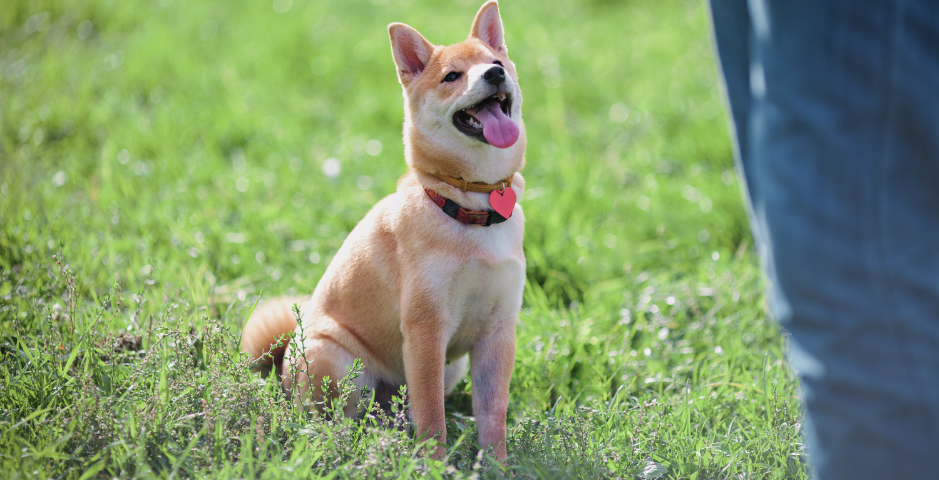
x=163, y=163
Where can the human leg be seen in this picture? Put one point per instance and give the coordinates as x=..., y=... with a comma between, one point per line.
x=840, y=153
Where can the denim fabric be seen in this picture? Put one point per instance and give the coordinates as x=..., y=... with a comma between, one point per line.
x=835, y=107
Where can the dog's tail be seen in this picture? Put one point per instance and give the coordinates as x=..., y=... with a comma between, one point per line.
x=265, y=337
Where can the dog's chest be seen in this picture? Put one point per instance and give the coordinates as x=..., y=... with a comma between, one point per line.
x=483, y=293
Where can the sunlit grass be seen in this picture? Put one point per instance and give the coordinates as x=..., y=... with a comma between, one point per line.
x=180, y=159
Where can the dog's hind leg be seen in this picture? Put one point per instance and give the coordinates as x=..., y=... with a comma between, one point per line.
x=454, y=372
x=303, y=375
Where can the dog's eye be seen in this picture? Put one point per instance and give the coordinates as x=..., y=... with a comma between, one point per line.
x=498, y=63
x=452, y=76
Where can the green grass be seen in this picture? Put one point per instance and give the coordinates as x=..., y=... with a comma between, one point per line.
x=161, y=167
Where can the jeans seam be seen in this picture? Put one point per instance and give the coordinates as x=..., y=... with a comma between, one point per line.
x=889, y=280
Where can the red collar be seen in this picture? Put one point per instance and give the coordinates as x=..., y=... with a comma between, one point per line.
x=462, y=214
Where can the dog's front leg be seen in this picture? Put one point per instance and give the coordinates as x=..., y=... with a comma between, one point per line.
x=424, y=358
x=492, y=360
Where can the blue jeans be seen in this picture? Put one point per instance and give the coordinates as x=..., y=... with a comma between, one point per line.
x=835, y=106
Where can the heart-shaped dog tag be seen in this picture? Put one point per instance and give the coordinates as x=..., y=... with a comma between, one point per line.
x=503, y=203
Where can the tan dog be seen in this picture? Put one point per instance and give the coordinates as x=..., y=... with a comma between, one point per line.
x=421, y=283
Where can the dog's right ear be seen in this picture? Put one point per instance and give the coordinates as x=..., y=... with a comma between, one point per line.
x=411, y=52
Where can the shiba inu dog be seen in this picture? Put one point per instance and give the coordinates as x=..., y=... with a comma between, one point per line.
x=434, y=272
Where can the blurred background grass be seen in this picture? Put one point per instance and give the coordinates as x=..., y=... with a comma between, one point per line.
x=184, y=157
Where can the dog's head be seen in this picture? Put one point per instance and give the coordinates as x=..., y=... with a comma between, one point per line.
x=462, y=103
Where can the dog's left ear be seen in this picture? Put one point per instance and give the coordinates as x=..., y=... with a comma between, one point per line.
x=488, y=26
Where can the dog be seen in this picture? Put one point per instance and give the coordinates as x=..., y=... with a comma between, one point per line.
x=434, y=273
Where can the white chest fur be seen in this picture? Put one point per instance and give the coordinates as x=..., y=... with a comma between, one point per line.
x=483, y=294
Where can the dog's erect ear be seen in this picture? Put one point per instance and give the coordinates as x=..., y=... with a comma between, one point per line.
x=488, y=26
x=411, y=51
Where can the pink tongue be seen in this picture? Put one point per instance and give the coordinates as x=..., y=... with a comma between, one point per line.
x=498, y=129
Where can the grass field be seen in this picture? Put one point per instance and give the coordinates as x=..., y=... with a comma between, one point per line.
x=163, y=163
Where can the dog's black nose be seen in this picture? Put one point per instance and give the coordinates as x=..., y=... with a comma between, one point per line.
x=494, y=76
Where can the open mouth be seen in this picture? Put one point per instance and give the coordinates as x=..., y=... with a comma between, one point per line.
x=489, y=121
